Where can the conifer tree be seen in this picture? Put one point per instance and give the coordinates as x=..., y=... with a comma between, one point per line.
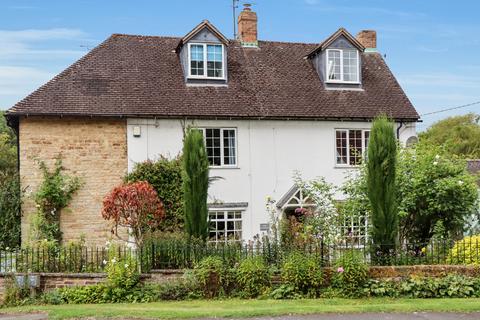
x=381, y=166
x=195, y=184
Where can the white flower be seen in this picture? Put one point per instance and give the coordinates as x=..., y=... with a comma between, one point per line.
x=437, y=157
x=460, y=182
x=113, y=260
x=107, y=244
x=435, y=163
x=7, y=248
x=104, y=261
x=126, y=265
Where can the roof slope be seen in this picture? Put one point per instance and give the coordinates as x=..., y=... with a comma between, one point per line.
x=141, y=76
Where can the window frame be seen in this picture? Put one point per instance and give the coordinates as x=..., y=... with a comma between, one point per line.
x=327, y=80
x=225, y=219
x=205, y=61
x=364, y=146
x=222, y=146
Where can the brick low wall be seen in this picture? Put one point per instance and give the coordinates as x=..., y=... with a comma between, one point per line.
x=49, y=281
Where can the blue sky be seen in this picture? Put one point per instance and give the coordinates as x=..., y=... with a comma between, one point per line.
x=432, y=46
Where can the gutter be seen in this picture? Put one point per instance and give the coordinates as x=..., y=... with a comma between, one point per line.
x=11, y=116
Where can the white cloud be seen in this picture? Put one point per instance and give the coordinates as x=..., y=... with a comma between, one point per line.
x=21, y=80
x=22, y=44
x=443, y=79
x=40, y=34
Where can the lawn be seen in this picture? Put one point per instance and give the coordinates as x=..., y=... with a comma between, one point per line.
x=247, y=308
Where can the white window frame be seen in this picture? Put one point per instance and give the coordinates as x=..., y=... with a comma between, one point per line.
x=205, y=71
x=347, y=165
x=222, y=153
x=362, y=228
x=341, y=67
x=225, y=220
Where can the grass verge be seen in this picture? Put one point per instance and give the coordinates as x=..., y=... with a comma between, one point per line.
x=248, y=308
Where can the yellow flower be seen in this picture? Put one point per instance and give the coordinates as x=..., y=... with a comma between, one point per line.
x=424, y=250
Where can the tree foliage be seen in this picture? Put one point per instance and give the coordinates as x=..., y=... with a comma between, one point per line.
x=165, y=176
x=134, y=206
x=459, y=135
x=10, y=194
x=195, y=184
x=381, y=166
x=432, y=187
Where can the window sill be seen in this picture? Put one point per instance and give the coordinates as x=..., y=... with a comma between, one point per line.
x=346, y=166
x=224, y=167
x=205, y=78
x=342, y=82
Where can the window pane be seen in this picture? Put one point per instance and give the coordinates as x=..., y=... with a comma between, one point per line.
x=350, y=65
x=355, y=146
x=333, y=65
x=196, y=60
x=229, y=154
x=367, y=139
x=214, y=61
x=226, y=228
x=212, y=143
x=341, y=146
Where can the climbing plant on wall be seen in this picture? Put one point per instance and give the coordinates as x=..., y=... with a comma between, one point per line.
x=54, y=194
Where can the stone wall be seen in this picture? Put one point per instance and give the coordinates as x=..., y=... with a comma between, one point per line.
x=93, y=149
x=49, y=281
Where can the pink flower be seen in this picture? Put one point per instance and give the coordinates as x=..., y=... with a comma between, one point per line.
x=340, y=269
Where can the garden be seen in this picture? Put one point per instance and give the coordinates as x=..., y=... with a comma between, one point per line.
x=406, y=206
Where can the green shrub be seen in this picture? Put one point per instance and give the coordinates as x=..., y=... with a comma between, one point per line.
x=465, y=251
x=350, y=273
x=213, y=276
x=285, y=291
x=165, y=175
x=122, y=272
x=253, y=277
x=15, y=295
x=303, y=273
x=451, y=286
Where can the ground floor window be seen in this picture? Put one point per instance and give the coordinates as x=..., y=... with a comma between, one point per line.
x=225, y=226
x=354, y=230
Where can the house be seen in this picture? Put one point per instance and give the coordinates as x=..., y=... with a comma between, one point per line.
x=266, y=109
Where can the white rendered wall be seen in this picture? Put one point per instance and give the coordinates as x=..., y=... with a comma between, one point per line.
x=268, y=152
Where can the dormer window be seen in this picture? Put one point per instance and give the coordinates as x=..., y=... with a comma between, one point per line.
x=206, y=61
x=342, y=66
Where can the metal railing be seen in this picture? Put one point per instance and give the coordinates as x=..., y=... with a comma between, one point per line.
x=182, y=254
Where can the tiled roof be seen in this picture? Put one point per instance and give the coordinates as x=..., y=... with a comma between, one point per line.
x=141, y=76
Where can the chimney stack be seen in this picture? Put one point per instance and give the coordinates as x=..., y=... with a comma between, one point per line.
x=368, y=38
x=247, y=27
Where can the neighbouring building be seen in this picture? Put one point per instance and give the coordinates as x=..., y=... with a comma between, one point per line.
x=266, y=109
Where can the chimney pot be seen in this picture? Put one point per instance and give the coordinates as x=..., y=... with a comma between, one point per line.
x=247, y=27
x=368, y=38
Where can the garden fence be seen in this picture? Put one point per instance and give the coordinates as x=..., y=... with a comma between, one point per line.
x=181, y=255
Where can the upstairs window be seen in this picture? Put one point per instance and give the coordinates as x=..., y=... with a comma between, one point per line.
x=343, y=65
x=206, y=61
x=350, y=146
x=221, y=145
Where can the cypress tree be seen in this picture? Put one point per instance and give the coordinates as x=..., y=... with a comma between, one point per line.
x=381, y=163
x=195, y=184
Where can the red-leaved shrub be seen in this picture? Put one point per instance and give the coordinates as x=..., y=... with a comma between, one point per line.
x=135, y=206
